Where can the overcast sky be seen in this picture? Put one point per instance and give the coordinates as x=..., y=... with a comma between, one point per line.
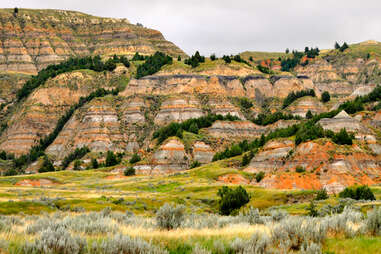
x=233, y=26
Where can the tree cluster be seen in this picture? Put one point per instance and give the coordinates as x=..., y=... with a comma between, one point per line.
x=190, y=125
x=341, y=48
x=293, y=96
x=311, y=52
x=153, y=64
x=290, y=63
x=195, y=60
x=113, y=159
x=76, y=155
x=266, y=119
x=358, y=193
x=138, y=57
x=47, y=166
x=93, y=63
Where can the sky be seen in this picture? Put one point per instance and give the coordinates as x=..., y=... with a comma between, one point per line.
x=234, y=26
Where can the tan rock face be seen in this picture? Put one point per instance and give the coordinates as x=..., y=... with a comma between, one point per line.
x=236, y=129
x=178, y=109
x=170, y=157
x=270, y=157
x=38, y=115
x=37, y=38
x=303, y=105
x=95, y=126
x=249, y=86
x=341, y=121
x=202, y=152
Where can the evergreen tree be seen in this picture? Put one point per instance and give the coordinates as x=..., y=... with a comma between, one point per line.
x=47, y=166
x=111, y=159
x=77, y=165
x=135, y=158
x=337, y=45
x=179, y=58
x=94, y=163
x=344, y=47
x=15, y=11
x=213, y=57
x=309, y=114
x=325, y=97
x=194, y=128
x=287, y=51
x=245, y=160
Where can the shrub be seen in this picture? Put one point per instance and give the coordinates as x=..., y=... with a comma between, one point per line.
x=373, y=222
x=264, y=69
x=213, y=57
x=170, y=217
x=245, y=103
x=77, y=165
x=129, y=171
x=252, y=216
x=135, y=158
x=312, y=211
x=321, y=195
x=123, y=244
x=58, y=241
x=325, y=97
x=358, y=193
x=259, y=176
x=47, y=166
x=300, y=169
x=232, y=199
x=200, y=250
x=195, y=164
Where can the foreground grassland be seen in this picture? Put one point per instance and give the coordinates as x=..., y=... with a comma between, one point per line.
x=96, y=206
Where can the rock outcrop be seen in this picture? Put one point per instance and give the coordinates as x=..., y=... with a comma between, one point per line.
x=178, y=110
x=344, y=121
x=202, y=152
x=236, y=129
x=95, y=126
x=325, y=165
x=36, y=38
x=305, y=104
x=38, y=115
x=249, y=86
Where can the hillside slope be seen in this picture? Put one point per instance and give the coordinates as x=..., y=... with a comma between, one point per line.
x=33, y=39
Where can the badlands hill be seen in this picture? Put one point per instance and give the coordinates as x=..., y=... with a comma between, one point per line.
x=134, y=121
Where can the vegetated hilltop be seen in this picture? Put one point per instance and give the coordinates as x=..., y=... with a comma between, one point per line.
x=284, y=118
x=33, y=39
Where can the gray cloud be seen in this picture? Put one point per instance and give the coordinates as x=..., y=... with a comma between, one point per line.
x=229, y=27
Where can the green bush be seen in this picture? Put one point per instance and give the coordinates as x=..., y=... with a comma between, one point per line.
x=309, y=114
x=213, y=57
x=195, y=164
x=94, y=163
x=76, y=155
x=358, y=193
x=325, y=97
x=47, y=166
x=232, y=199
x=300, y=169
x=321, y=195
x=259, y=176
x=77, y=165
x=129, y=171
x=135, y=158
x=111, y=159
